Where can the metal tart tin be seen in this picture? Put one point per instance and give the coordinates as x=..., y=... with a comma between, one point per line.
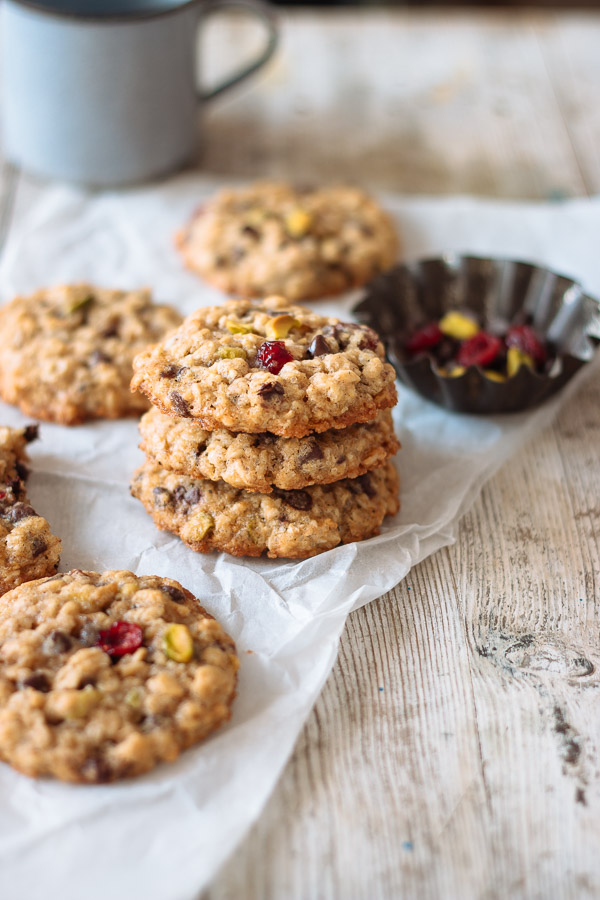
x=500, y=292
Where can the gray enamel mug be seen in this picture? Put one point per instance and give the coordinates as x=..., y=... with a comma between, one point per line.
x=104, y=92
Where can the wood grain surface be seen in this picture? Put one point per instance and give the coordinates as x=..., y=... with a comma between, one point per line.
x=499, y=104
x=454, y=751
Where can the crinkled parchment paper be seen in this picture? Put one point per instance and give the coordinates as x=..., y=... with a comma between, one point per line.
x=164, y=836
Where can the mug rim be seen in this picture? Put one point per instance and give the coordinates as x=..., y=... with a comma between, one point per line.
x=113, y=17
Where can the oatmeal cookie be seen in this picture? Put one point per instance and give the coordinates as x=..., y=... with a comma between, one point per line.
x=267, y=366
x=67, y=351
x=209, y=515
x=259, y=462
x=271, y=239
x=104, y=676
x=28, y=549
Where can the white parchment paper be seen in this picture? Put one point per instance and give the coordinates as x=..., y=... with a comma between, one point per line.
x=163, y=836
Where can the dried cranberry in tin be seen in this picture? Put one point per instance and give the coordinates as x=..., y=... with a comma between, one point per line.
x=480, y=350
x=524, y=338
x=427, y=337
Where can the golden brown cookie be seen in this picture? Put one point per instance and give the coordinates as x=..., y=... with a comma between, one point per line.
x=209, y=515
x=66, y=353
x=102, y=676
x=267, y=366
x=260, y=462
x=272, y=239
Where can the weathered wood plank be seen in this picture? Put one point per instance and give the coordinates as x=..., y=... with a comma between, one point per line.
x=404, y=101
x=393, y=722
x=474, y=773
x=534, y=674
x=570, y=46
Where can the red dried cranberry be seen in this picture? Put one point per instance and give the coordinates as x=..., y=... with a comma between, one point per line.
x=480, y=350
x=273, y=355
x=525, y=339
x=424, y=339
x=121, y=638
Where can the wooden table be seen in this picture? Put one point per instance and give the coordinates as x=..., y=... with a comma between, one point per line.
x=454, y=751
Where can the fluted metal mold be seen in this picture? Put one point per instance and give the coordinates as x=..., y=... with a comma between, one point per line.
x=499, y=292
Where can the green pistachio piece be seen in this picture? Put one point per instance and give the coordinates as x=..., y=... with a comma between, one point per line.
x=231, y=353
x=79, y=303
x=238, y=327
x=196, y=527
x=202, y=523
x=178, y=643
x=280, y=326
x=252, y=528
x=134, y=697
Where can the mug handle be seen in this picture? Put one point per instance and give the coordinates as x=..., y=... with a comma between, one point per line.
x=266, y=15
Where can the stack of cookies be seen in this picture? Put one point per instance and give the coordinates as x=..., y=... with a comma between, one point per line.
x=271, y=431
